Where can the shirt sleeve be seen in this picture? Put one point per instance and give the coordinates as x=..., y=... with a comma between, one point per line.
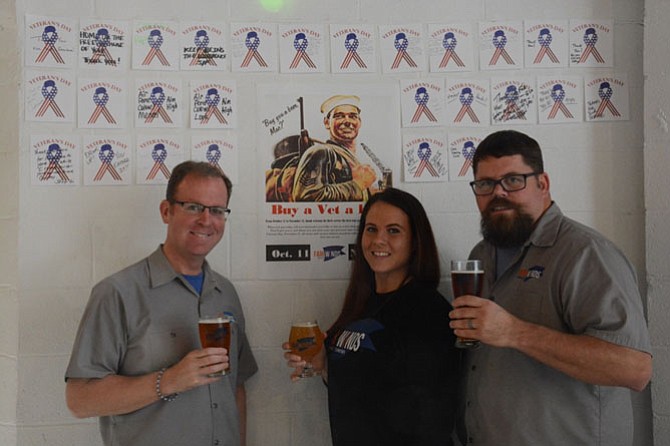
x=100, y=343
x=247, y=362
x=602, y=298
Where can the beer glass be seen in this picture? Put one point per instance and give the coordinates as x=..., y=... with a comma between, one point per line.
x=215, y=332
x=467, y=277
x=306, y=341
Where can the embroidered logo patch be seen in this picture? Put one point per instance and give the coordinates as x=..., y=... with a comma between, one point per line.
x=531, y=273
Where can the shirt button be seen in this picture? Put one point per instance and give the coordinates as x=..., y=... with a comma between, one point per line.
x=216, y=442
x=469, y=403
x=215, y=406
x=473, y=368
x=470, y=440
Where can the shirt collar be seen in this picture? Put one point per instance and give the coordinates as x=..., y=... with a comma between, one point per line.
x=161, y=272
x=546, y=230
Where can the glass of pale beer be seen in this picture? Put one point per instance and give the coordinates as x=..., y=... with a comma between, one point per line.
x=215, y=332
x=467, y=277
x=306, y=341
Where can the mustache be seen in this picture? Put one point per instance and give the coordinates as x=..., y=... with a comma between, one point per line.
x=498, y=201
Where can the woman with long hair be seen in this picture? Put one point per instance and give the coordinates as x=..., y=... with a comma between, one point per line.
x=389, y=358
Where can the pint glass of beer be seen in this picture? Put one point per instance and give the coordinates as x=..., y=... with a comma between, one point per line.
x=215, y=332
x=306, y=341
x=467, y=277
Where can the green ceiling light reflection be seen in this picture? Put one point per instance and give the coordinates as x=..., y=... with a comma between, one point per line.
x=272, y=5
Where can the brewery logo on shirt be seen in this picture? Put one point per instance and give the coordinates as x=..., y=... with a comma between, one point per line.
x=354, y=337
x=534, y=272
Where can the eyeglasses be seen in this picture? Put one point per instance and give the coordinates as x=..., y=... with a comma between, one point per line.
x=197, y=209
x=509, y=183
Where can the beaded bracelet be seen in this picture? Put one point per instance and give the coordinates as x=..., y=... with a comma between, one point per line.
x=167, y=398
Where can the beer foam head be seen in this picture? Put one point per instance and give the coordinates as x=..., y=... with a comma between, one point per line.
x=305, y=324
x=213, y=319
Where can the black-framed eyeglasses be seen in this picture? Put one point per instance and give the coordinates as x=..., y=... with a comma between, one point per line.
x=509, y=183
x=197, y=209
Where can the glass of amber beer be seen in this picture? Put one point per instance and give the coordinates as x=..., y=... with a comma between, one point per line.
x=215, y=332
x=306, y=341
x=467, y=277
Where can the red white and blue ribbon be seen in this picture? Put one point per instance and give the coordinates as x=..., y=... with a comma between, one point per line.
x=558, y=95
x=155, y=40
x=300, y=44
x=449, y=43
x=421, y=97
x=545, y=38
x=49, y=37
x=424, y=154
x=401, y=44
x=201, y=41
x=212, y=101
x=157, y=98
x=49, y=92
x=590, y=39
x=468, y=152
x=512, y=109
x=213, y=155
x=252, y=42
x=102, y=41
x=466, y=98
x=159, y=155
x=100, y=98
x=106, y=155
x=351, y=44
x=54, y=154
x=499, y=41
x=605, y=92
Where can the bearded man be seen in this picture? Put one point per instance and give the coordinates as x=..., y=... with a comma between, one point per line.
x=563, y=338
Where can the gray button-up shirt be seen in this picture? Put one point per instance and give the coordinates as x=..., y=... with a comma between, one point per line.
x=144, y=318
x=569, y=278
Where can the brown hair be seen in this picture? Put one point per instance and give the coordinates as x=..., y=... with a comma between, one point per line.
x=509, y=143
x=424, y=265
x=199, y=169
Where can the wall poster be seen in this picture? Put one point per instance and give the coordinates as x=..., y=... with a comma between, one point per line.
x=324, y=150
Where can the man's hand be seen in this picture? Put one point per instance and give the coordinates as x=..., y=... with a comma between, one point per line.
x=193, y=369
x=363, y=175
x=482, y=319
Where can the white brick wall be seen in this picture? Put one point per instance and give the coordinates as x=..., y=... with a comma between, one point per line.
x=657, y=203
x=69, y=238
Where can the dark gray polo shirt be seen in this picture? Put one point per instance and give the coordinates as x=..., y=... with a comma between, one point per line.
x=144, y=318
x=569, y=278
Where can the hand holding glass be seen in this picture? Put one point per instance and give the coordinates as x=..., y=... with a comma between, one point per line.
x=467, y=277
x=306, y=341
x=215, y=332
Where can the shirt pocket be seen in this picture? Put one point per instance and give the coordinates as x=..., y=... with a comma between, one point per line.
x=167, y=346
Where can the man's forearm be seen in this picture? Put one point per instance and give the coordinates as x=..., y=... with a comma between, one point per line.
x=111, y=395
x=584, y=357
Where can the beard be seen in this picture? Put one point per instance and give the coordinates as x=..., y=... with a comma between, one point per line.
x=503, y=231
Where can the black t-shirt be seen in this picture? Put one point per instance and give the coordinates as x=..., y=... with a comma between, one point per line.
x=393, y=374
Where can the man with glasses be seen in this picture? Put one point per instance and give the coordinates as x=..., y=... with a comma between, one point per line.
x=137, y=362
x=560, y=320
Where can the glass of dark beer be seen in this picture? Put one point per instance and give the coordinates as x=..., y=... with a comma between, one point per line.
x=306, y=341
x=467, y=277
x=215, y=332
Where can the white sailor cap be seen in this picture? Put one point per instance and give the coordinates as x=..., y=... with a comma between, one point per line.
x=337, y=100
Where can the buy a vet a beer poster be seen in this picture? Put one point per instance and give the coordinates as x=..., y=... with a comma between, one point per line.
x=313, y=140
